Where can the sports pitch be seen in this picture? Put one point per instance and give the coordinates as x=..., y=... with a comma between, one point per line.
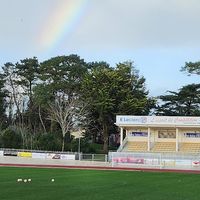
x=73, y=184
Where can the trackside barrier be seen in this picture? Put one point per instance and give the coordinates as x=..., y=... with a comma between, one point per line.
x=46, y=155
x=38, y=154
x=155, y=160
x=24, y=154
x=60, y=156
x=54, y=155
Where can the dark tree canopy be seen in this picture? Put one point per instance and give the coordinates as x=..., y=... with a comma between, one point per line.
x=33, y=89
x=112, y=91
x=191, y=68
x=185, y=102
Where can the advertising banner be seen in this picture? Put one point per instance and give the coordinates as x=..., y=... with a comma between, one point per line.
x=25, y=154
x=128, y=160
x=196, y=163
x=53, y=156
x=192, y=135
x=183, y=162
x=152, y=161
x=60, y=156
x=10, y=153
x=138, y=134
x=39, y=155
x=1, y=153
x=67, y=157
x=156, y=120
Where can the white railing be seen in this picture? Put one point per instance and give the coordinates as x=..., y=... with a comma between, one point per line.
x=123, y=144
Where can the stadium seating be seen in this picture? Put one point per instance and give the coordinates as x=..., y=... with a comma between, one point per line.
x=137, y=146
x=190, y=147
x=164, y=147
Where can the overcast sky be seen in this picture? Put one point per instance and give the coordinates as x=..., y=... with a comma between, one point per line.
x=158, y=35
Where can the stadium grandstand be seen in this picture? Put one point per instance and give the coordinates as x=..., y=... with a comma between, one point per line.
x=159, y=134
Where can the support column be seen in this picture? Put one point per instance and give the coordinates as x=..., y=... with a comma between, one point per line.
x=177, y=139
x=121, y=135
x=149, y=136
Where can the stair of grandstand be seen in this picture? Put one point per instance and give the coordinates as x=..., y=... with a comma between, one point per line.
x=164, y=147
x=137, y=146
x=190, y=147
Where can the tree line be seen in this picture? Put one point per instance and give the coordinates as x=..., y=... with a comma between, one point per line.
x=43, y=103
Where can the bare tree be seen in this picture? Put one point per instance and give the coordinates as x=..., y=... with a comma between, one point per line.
x=15, y=96
x=66, y=113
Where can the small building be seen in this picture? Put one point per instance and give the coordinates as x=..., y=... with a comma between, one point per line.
x=159, y=133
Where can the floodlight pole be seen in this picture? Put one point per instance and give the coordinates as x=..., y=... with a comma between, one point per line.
x=79, y=146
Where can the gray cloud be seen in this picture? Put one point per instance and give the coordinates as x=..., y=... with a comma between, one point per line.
x=160, y=35
x=110, y=23
x=141, y=23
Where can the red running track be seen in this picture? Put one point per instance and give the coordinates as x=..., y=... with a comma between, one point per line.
x=101, y=168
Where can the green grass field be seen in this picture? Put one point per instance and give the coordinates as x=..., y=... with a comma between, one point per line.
x=96, y=185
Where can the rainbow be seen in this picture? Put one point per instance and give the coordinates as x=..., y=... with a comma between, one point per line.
x=62, y=21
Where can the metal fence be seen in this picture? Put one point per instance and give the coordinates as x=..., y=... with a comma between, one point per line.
x=94, y=157
x=155, y=160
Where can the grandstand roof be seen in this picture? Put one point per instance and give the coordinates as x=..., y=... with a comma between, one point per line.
x=155, y=121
